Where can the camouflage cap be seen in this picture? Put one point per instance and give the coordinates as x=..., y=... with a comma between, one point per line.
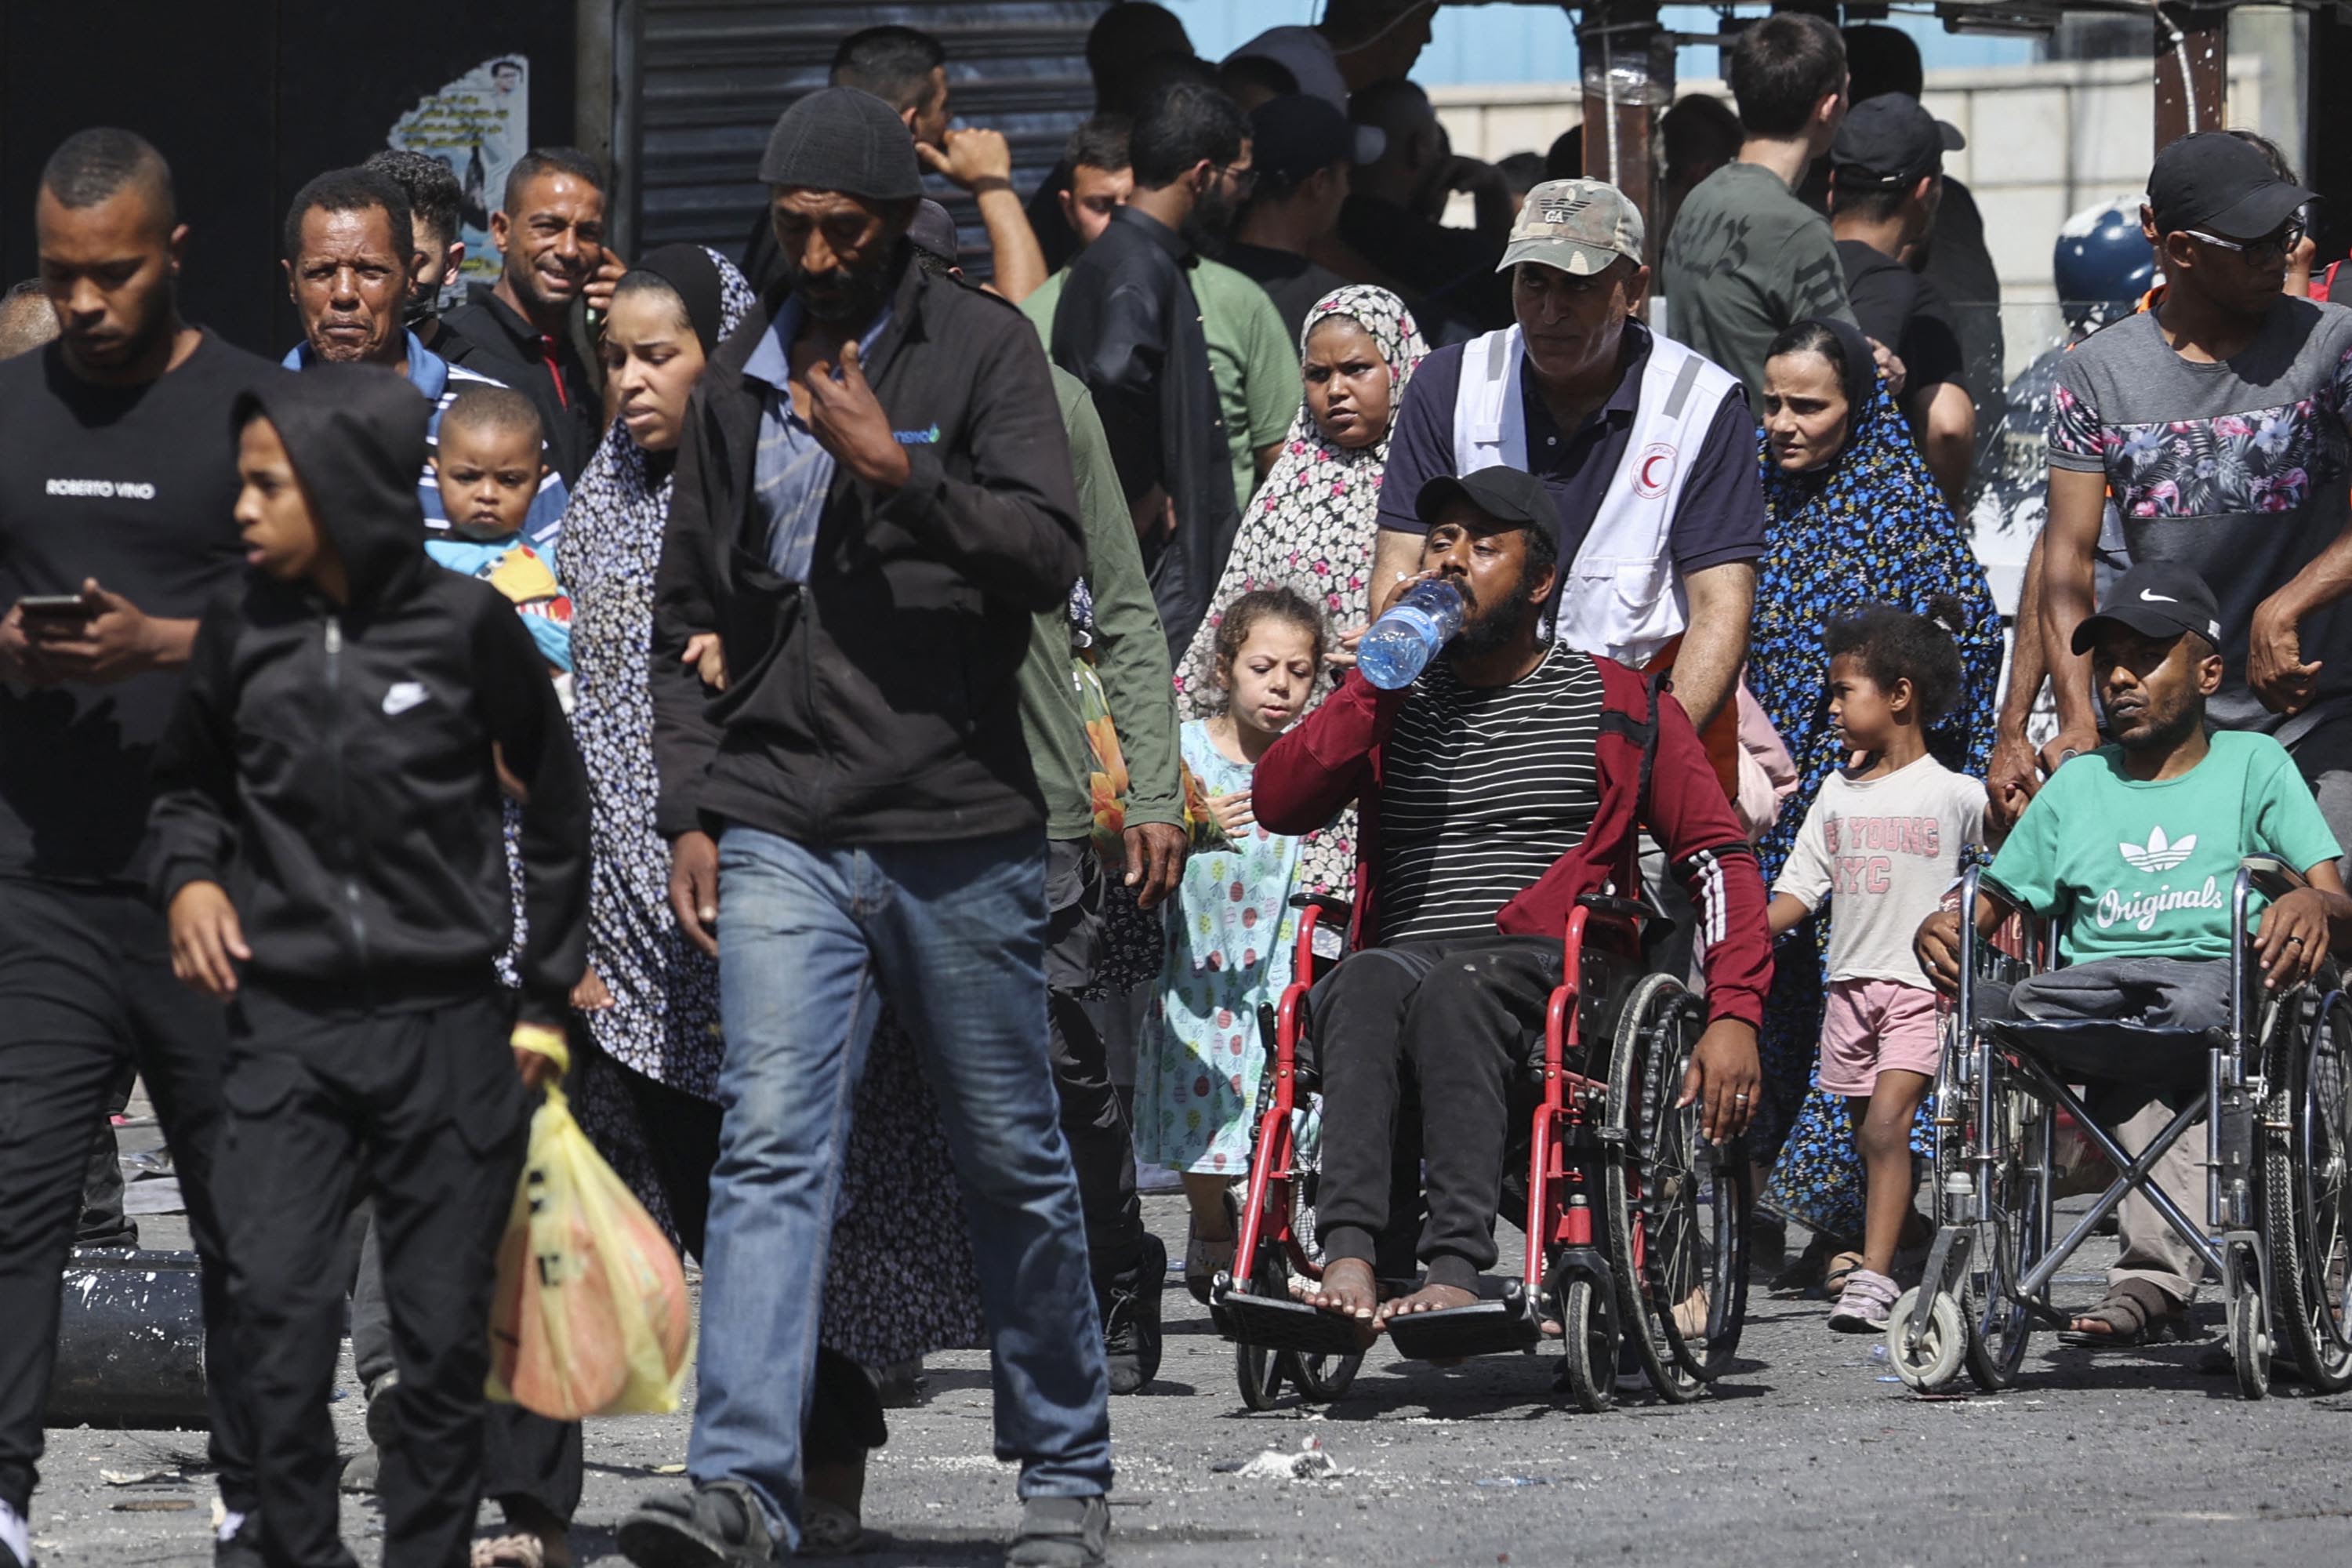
x=1581, y=227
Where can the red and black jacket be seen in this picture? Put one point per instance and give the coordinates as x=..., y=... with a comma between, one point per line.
x=1650, y=772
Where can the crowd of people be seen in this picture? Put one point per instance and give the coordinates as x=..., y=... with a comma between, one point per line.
x=820, y=706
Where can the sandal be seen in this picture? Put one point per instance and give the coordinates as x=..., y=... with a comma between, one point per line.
x=2137, y=1312
x=1840, y=1273
x=1204, y=1259
x=509, y=1552
x=829, y=1530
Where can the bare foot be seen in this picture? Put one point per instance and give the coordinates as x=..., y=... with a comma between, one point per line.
x=1347, y=1289
x=1430, y=1299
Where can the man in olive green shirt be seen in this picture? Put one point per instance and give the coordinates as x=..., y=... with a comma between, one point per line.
x=1130, y=654
x=1252, y=361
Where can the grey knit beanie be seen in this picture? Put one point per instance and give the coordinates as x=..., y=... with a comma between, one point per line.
x=839, y=139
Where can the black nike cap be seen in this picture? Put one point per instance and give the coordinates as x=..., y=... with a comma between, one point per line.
x=2218, y=182
x=2156, y=599
x=1506, y=495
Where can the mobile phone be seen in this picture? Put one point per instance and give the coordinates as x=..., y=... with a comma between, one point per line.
x=55, y=607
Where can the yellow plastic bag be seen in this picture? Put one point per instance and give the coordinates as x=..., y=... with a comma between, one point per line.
x=591, y=1316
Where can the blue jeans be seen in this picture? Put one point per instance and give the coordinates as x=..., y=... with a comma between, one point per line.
x=809, y=941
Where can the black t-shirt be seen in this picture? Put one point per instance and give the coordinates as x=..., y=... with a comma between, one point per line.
x=135, y=486
x=1905, y=313
x=1290, y=281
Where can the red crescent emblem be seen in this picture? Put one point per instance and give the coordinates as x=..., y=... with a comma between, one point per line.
x=1655, y=460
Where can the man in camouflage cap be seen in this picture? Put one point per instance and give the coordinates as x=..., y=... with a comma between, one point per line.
x=1648, y=450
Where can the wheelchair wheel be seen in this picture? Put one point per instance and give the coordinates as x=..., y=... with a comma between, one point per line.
x=1261, y=1370
x=1998, y=1324
x=1590, y=1370
x=1320, y=1379
x=2249, y=1340
x=1926, y=1360
x=1676, y=1203
x=2307, y=1197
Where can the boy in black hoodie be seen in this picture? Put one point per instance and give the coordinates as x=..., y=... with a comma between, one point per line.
x=327, y=847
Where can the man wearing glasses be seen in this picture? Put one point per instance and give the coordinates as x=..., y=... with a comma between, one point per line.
x=1128, y=325
x=2218, y=421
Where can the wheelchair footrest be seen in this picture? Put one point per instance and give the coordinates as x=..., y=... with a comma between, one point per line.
x=1278, y=1322
x=1483, y=1327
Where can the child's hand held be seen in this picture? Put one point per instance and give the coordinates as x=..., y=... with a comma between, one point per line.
x=207, y=942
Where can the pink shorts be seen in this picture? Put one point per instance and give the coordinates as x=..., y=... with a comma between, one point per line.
x=1871, y=1024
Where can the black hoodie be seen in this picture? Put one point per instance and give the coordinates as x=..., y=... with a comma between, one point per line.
x=333, y=767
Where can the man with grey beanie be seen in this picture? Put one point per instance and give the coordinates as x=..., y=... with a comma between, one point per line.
x=873, y=499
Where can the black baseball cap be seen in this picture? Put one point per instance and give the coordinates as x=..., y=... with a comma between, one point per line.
x=932, y=229
x=1298, y=133
x=2218, y=182
x=2156, y=599
x=1506, y=495
x=1890, y=140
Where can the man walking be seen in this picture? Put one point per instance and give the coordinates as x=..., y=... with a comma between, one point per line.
x=1128, y=325
x=874, y=500
x=117, y=481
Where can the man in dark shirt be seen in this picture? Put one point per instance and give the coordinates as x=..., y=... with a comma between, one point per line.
x=1887, y=168
x=1129, y=328
x=1577, y=363
x=1302, y=149
x=550, y=229
x=1390, y=220
x=434, y=198
x=117, y=481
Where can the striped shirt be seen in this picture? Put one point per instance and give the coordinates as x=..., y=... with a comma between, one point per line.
x=439, y=379
x=1485, y=788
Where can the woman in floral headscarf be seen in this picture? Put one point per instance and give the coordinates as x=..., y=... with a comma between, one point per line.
x=1312, y=524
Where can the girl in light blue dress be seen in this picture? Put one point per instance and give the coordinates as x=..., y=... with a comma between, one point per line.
x=1228, y=943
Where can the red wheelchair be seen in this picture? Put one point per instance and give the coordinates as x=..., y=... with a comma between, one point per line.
x=1634, y=1221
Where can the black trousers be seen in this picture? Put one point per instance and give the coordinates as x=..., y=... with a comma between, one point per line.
x=680, y=1135
x=1440, y=1026
x=1094, y=1118
x=422, y=1109
x=86, y=986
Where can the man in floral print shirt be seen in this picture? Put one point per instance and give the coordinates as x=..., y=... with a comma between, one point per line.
x=2217, y=421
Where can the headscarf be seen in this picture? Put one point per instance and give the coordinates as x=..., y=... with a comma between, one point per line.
x=1312, y=525
x=665, y=1015
x=693, y=275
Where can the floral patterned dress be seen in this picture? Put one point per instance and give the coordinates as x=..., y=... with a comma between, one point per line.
x=1871, y=529
x=1198, y=1062
x=1313, y=527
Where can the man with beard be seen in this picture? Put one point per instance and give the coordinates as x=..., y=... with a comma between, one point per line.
x=550, y=229
x=1495, y=791
x=352, y=254
x=1128, y=326
x=2130, y=848
x=117, y=481
x=874, y=499
x=434, y=198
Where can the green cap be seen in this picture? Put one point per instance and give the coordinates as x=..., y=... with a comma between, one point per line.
x=1581, y=227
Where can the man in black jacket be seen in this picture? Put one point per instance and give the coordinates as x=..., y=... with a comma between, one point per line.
x=873, y=499
x=327, y=841
x=1128, y=327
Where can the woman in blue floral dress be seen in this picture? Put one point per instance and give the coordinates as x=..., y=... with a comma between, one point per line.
x=1852, y=518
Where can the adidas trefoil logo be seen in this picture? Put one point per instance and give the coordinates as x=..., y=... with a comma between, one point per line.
x=2160, y=855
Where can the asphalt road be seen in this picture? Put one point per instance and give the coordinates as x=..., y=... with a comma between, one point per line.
x=1808, y=1455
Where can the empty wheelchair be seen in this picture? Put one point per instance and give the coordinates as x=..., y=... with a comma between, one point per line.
x=2277, y=1105
x=1634, y=1220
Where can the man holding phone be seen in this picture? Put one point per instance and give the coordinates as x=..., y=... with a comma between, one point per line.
x=117, y=482
x=550, y=230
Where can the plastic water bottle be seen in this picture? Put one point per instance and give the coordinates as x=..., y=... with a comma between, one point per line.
x=1402, y=642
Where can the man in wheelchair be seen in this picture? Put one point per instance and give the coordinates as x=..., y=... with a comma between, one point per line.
x=1494, y=791
x=2132, y=851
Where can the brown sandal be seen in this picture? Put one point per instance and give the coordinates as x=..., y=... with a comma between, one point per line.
x=2135, y=1312
x=1840, y=1270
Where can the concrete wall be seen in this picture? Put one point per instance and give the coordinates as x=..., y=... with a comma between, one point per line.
x=2045, y=141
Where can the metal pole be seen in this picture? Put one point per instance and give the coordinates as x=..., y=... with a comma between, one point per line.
x=2192, y=61
x=1628, y=79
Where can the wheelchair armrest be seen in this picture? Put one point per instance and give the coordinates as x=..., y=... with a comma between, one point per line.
x=1336, y=910
x=2272, y=877
x=1632, y=910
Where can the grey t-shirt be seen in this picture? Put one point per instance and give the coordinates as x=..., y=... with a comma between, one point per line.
x=1746, y=259
x=2237, y=470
